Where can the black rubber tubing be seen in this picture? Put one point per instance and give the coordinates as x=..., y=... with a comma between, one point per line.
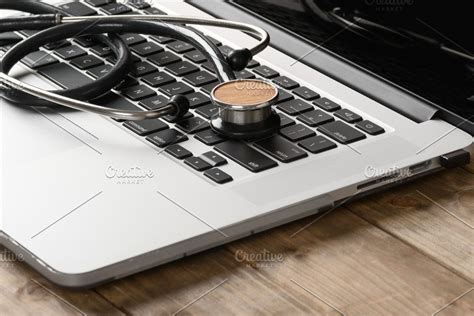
x=88, y=91
x=105, y=83
x=61, y=32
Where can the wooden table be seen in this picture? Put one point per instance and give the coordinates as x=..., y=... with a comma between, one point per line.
x=407, y=251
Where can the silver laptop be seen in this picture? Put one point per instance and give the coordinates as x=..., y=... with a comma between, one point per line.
x=87, y=199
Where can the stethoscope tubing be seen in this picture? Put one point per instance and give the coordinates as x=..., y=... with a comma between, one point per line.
x=224, y=75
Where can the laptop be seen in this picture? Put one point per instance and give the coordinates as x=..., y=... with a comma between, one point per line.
x=88, y=199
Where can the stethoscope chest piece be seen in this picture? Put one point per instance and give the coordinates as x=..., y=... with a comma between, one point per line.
x=245, y=109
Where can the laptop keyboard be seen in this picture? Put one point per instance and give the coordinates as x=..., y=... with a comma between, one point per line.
x=164, y=67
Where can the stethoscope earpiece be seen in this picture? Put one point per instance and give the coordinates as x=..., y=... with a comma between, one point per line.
x=245, y=109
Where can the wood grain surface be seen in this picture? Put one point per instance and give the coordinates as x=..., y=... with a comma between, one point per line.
x=406, y=251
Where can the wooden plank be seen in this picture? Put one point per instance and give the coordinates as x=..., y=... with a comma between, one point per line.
x=434, y=215
x=459, y=306
x=24, y=292
x=355, y=267
x=241, y=290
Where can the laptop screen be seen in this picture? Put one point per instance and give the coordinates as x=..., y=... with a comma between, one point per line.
x=424, y=47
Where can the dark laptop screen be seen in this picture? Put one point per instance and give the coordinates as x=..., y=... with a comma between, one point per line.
x=423, y=46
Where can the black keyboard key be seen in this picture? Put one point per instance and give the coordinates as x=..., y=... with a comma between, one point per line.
x=70, y=52
x=181, y=68
x=370, y=128
x=173, y=119
x=166, y=137
x=209, y=87
x=295, y=107
x=139, y=4
x=164, y=58
x=85, y=41
x=244, y=74
x=180, y=47
x=127, y=83
x=253, y=63
x=341, y=132
x=348, y=116
x=154, y=11
x=142, y=68
x=315, y=118
x=285, y=120
x=147, y=49
x=245, y=156
x=114, y=101
x=155, y=102
x=266, y=72
x=146, y=127
x=176, y=88
x=306, y=93
x=285, y=82
x=178, y=152
x=86, y=62
x=138, y=92
x=77, y=9
x=101, y=50
x=226, y=50
x=281, y=149
x=98, y=3
x=297, y=132
x=162, y=39
x=197, y=163
x=213, y=159
x=113, y=60
x=208, y=111
x=133, y=39
x=29, y=33
x=209, y=137
x=192, y=125
x=38, y=59
x=57, y=44
x=116, y=8
x=283, y=96
x=9, y=38
x=64, y=75
x=200, y=78
x=317, y=144
x=209, y=67
x=158, y=79
x=99, y=71
x=327, y=104
x=218, y=176
x=195, y=56
x=197, y=99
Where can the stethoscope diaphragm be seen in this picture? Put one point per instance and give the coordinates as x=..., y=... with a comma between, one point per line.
x=245, y=109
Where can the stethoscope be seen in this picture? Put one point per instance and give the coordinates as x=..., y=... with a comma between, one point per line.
x=245, y=105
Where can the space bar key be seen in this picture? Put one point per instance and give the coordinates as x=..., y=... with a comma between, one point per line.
x=245, y=156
